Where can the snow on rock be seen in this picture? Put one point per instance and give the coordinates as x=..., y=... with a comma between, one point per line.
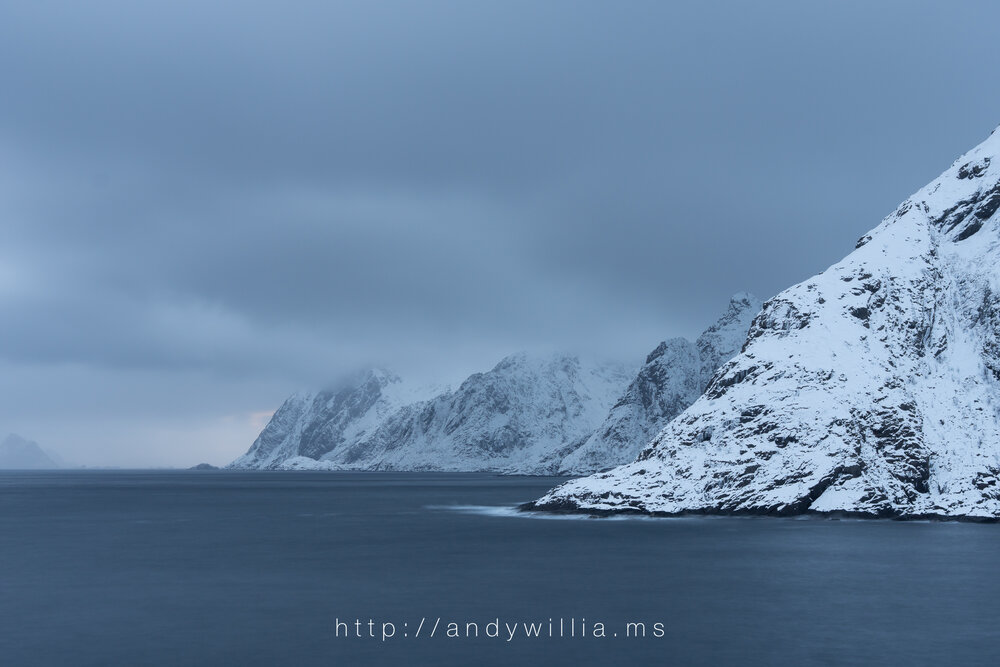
x=673, y=377
x=871, y=388
x=523, y=416
x=312, y=424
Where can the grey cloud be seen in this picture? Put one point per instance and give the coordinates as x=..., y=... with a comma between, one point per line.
x=269, y=195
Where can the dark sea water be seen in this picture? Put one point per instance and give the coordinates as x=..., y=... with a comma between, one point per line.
x=227, y=568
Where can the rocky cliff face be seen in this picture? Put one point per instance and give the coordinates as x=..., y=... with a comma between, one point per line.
x=673, y=377
x=870, y=388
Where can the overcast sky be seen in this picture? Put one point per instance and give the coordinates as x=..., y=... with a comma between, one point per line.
x=205, y=206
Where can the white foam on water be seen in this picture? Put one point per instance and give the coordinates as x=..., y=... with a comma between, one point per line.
x=511, y=511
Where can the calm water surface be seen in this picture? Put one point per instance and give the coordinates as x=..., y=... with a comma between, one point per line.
x=228, y=568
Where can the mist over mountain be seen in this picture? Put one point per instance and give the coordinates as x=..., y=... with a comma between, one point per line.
x=522, y=416
x=17, y=453
x=530, y=414
x=673, y=377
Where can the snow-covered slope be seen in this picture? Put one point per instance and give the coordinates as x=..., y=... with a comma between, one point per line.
x=673, y=377
x=873, y=387
x=16, y=453
x=523, y=416
x=312, y=424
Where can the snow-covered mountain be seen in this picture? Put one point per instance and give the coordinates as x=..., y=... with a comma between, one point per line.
x=523, y=416
x=309, y=425
x=673, y=377
x=16, y=453
x=530, y=414
x=873, y=387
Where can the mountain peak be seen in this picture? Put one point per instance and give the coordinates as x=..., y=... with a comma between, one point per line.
x=20, y=453
x=665, y=345
x=676, y=372
x=872, y=387
x=520, y=416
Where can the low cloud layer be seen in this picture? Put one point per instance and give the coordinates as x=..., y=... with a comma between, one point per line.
x=204, y=206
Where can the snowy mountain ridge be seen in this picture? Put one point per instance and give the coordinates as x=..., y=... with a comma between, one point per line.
x=530, y=414
x=522, y=416
x=674, y=375
x=872, y=388
x=309, y=425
